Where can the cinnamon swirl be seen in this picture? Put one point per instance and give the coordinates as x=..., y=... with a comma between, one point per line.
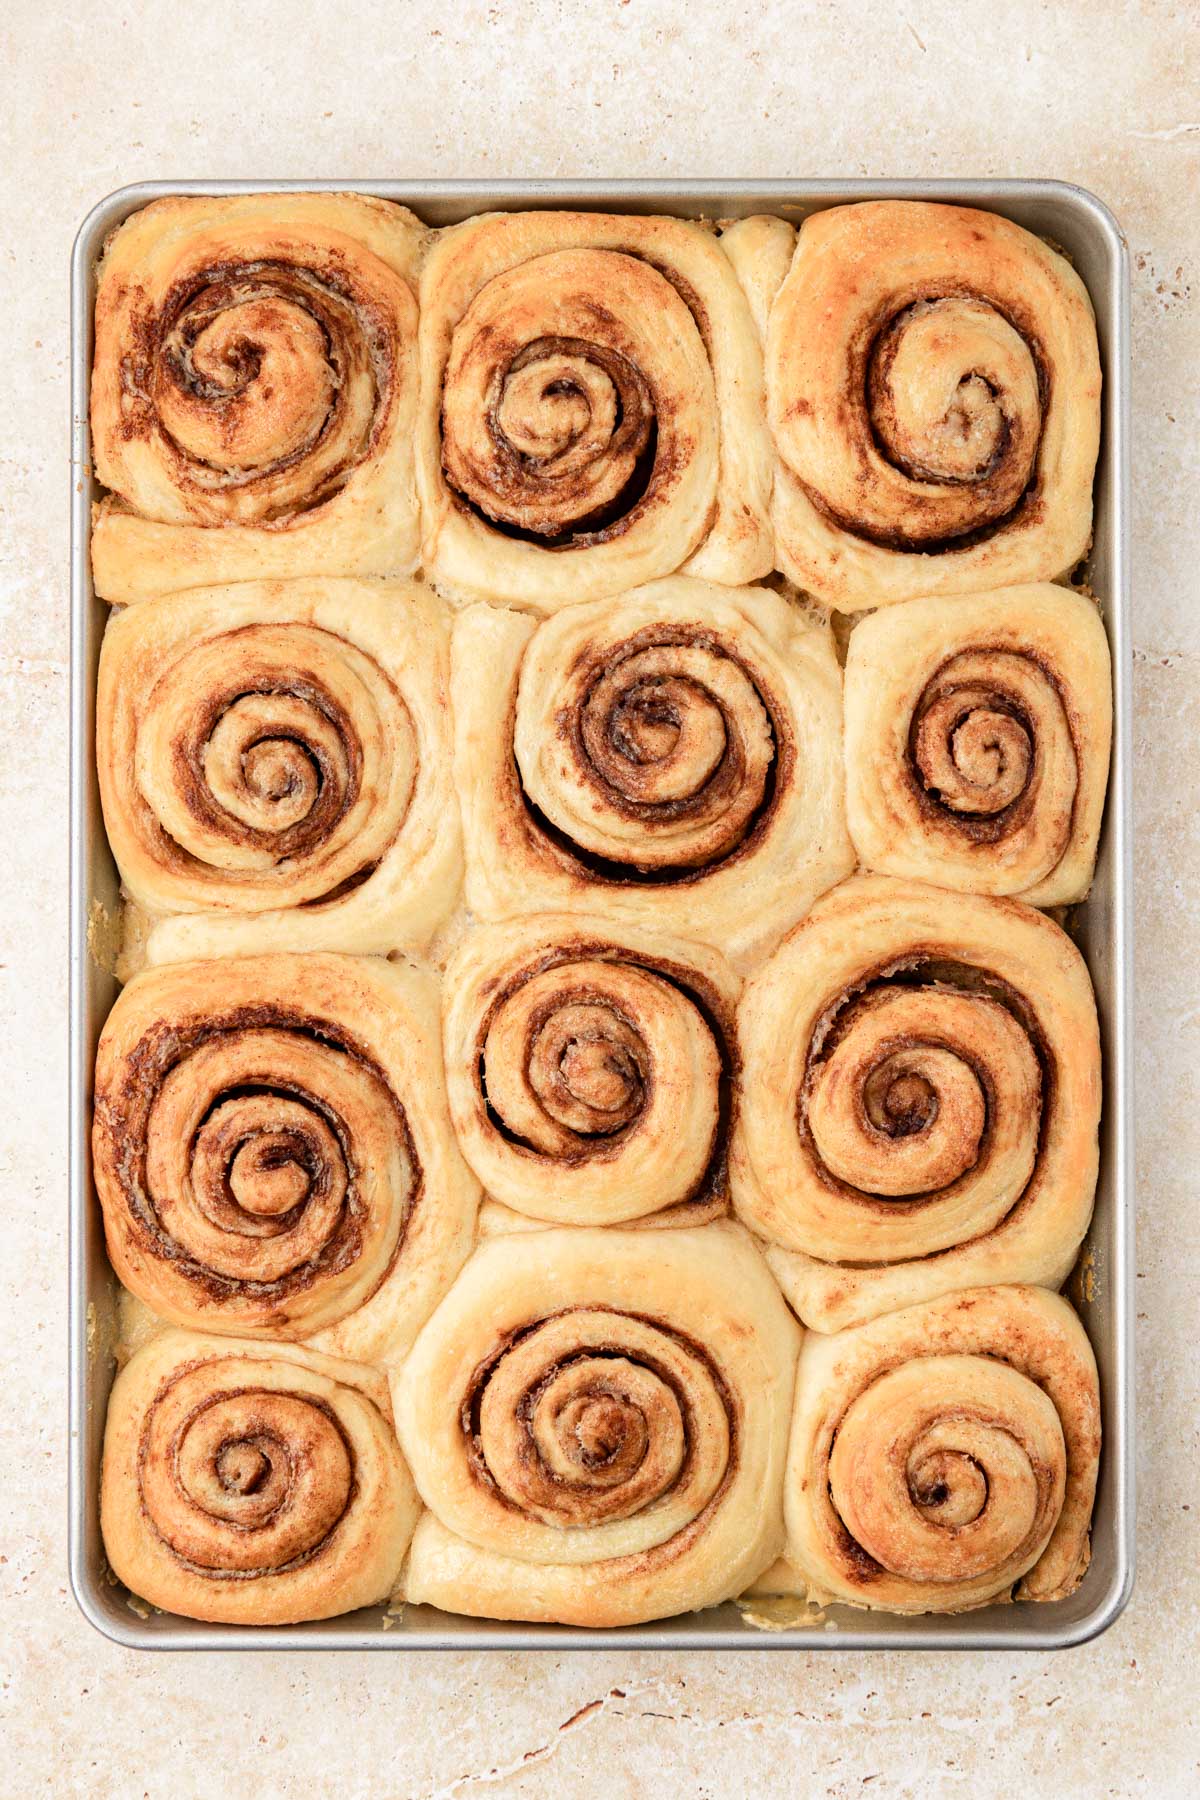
x=977, y=740
x=592, y=1070
x=591, y=409
x=933, y=388
x=669, y=759
x=254, y=392
x=275, y=766
x=920, y=1100
x=253, y=1484
x=946, y=1455
x=273, y=1152
x=599, y=1428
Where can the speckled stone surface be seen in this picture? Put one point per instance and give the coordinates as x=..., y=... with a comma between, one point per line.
x=1104, y=95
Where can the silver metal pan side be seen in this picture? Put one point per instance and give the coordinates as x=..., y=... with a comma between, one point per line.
x=1081, y=225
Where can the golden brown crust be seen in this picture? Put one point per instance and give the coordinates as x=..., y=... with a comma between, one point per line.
x=254, y=392
x=597, y=1423
x=251, y=1483
x=933, y=388
x=273, y=1152
x=921, y=1095
x=274, y=762
x=591, y=409
x=977, y=741
x=942, y=1455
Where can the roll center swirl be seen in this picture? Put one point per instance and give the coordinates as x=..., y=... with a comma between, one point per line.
x=923, y=1097
x=659, y=740
x=948, y=1468
x=267, y=385
x=588, y=1067
x=569, y=386
x=900, y=1100
x=557, y=441
x=258, y=1165
x=954, y=403
x=244, y=1480
x=672, y=747
x=283, y=777
x=242, y=1468
x=946, y=1487
x=974, y=750
x=279, y=755
x=602, y=1426
x=243, y=385
x=273, y=1173
x=560, y=406
x=576, y=1056
x=592, y=1417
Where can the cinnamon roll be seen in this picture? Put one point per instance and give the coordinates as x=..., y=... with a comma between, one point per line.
x=977, y=740
x=920, y=1100
x=253, y=1484
x=591, y=409
x=669, y=759
x=933, y=389
x=591, y=1069
x=599, y=1429
x=273, y=1151
x=946, y=1455
x=254, y=392
x=275, y=766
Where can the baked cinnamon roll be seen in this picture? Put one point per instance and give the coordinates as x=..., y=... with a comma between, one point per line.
x=591, y=409
x=597, y=1422
x=275, y=766
x=273, y=1151
x=977, y=740
x=669, y=759
x=591, y=1069
x=254, y=392
x=251, y=1483
x=933, y=389
x=920, y=1100
x=946, y=1455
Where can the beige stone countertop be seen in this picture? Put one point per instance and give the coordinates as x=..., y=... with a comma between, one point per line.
x=1099, y=93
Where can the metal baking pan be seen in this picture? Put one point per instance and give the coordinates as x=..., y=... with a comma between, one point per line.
x=1077, y=223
